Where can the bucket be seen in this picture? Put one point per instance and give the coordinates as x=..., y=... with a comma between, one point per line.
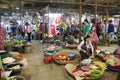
x=17, y=78
x=27, y=49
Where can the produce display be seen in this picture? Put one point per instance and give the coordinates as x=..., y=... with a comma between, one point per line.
x=19, y=57
x=12, y=64
x=90, y=72
x=51, y=48
x=17, y=42
x=66, y=57
x=85, y=72
x=15, y=45
x=80, y=74
x=113, y=63
x=110, y=60
x=8, y=60
x=15, y=67
x=61, y=57
x=102, y=65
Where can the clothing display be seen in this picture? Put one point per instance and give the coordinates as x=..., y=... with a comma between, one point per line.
x=53, y=30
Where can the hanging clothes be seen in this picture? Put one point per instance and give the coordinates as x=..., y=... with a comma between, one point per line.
x=53, y=30
x=58, y=20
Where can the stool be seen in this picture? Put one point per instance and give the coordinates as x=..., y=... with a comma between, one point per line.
x=48, y=59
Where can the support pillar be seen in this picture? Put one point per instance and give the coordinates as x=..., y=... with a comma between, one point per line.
x=80, y=20
x=96, y=6
x=107, y=15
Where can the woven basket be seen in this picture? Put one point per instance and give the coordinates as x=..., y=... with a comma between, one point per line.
x=77, y=59
x=70, y=67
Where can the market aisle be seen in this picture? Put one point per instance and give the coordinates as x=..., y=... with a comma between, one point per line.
x=37, y=70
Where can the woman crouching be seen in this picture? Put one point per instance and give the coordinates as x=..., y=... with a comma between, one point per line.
x=86, y=48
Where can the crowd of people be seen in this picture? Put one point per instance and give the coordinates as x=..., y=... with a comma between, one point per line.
x=93, y=30
x=92, y=35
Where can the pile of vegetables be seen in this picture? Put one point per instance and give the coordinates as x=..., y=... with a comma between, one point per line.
x=17, y=42
x=8, y=44
x=102, y=65
x=112, y=61
x=91, y=71
x=8, y=60
x=61, y=57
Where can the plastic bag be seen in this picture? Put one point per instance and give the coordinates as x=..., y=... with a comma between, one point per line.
x=25, y=63
x=86, y=62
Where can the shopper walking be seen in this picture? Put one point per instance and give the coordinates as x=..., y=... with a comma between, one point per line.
x=40, y=32
x=98, y=29
x=110, y=31
x=28, y=31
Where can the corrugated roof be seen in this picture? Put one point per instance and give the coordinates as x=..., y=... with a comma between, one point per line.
x=72, y=5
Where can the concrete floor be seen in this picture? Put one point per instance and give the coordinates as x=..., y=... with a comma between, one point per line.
x=38, y=70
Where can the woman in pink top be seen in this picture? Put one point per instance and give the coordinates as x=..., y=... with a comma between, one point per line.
x=94, y=37
x=28, y=31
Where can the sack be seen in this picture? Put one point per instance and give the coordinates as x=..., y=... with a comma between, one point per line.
x=86, y=62
x=40, y=32
x=25, y=63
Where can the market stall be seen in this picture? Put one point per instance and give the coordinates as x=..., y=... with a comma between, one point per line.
x=12, y=65
x=112, y=62
x=92, y=71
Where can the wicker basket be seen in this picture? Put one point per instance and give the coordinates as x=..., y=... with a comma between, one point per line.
x=77, y=59
x=70, y=67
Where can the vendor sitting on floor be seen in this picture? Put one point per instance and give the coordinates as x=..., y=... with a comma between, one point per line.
x=86, y=48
